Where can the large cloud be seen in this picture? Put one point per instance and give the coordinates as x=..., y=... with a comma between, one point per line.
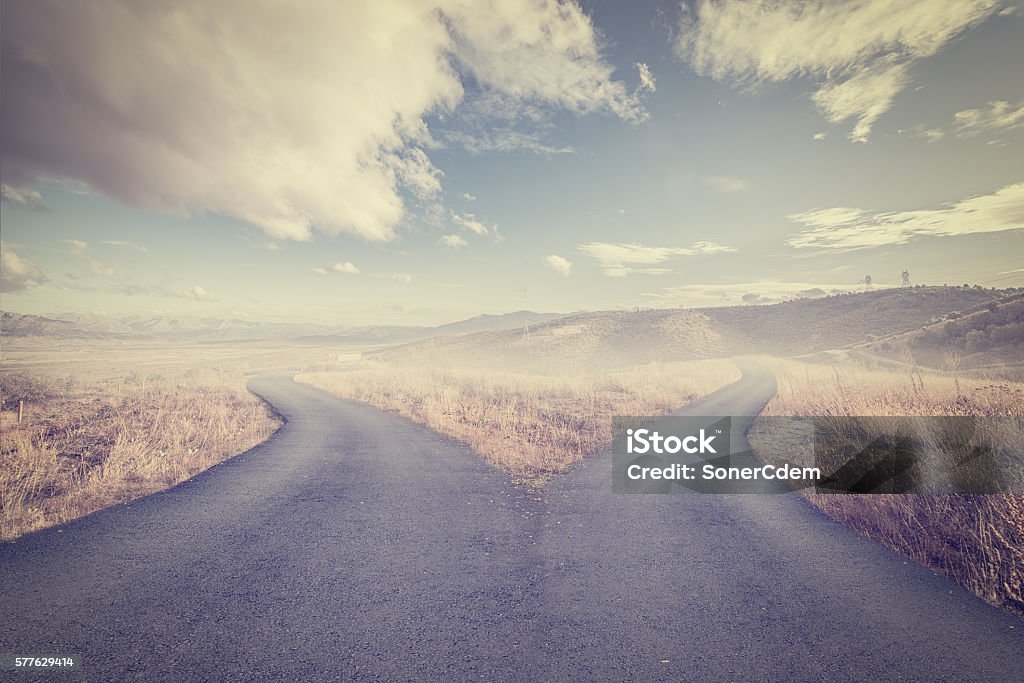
x=845, y=228
x=294, y=118
x=858, y=51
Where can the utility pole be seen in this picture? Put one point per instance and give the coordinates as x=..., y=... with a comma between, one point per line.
x=906, y=279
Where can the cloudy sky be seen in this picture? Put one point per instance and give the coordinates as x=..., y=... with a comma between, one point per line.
x=419, y=161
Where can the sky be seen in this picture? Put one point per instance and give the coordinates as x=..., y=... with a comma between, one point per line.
x=418, y=161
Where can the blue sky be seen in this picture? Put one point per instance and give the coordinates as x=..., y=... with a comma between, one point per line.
x=418, y=162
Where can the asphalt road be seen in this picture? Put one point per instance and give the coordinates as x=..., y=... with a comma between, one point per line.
x=355, y=545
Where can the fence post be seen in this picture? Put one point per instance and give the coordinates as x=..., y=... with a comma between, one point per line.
x=21, y=409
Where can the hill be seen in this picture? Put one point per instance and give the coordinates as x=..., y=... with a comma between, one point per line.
x=987, y=335
x=18, y=325
x=809, y=325
x=496, y=323
x=627, y=338
x=395, y=334
x=212, y=329
x=146, y=327
x=570, y=343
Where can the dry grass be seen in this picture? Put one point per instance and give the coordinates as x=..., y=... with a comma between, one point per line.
x=851, y=389
x=85, y=447
x=978, y=540
x=529, y=425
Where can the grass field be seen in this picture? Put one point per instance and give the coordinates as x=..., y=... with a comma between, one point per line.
x=978, y=540
x=84, y=446
x=529, y=425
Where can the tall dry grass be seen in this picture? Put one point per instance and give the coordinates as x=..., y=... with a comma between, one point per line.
x=529, y=425
x=854, y=389
x=85, y=447
x=978, y=540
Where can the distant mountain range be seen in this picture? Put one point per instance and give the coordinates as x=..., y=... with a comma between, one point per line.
x=983, y=324
x=233, y=329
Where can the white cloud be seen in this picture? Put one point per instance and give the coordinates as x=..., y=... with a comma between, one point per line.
x=503, y=139
x=196, y=293
x=128, y=245
x=345, y=267
x=623, y=271
x=22, y=198
x=725, y=183
x=619, y=259
x=997, y=116
x=401, y=278
x=100, y=269
x=319, y=271
x=468, y=197
x=844, y=228
x=417, y=173
x=756, y=292
x=454, y=241
x=865, y=96
x=295, y=119
x=858, y=69
x=470, y=222
x=929, y=134
x=78, y=245
x=538, y=52
x=819, y=136
x=434, y=214
x=646, y=77
x=17, y=274
x=558, y=264
x=524, y=71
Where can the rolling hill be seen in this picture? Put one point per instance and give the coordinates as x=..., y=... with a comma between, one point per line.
x=213, y=329
x=986, y=335
x=627, y=338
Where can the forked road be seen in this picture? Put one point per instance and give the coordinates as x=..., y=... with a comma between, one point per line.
x=357, y=545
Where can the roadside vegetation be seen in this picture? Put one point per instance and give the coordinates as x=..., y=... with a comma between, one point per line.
x=529, y=425
x=81, y=447
x=978, y=540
